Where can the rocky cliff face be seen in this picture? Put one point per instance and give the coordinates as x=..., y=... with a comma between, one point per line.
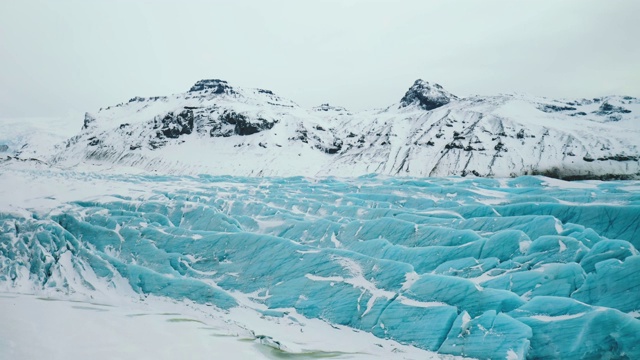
x=219, y=129
x=426, y=96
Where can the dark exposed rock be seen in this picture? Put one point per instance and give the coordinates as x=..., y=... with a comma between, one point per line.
x=619, y=157
x=454, y=145
x=579, y=113
x=302, y=135
x=263, y=91
x=548, y=108
x=608, y=109
x=327, y=107
x=602, y=177
x=334, y=148
x=520, y=134
x=215, y=86
x=465, y=173
x=588, y=158
x=426, y=95
x=218, y=130
x=323, y=107
x=277, y=104
x=24, y=160
x=174, y=126
x=94, y=141
x=337, y=146
x=500, y=147
x=88, y=120
x=242, y=125
x=156, y=143
x=571, y=175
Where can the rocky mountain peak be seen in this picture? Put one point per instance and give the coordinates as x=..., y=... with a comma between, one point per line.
x=426, y=95
x=216, y=86
x=329, y=107
x=88, y=120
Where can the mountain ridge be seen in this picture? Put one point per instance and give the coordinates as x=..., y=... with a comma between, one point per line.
x=219, y=129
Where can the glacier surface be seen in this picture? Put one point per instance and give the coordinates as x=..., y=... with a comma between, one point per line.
x=529, y=267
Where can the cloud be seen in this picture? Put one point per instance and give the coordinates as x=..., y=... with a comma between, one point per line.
x=80, y=55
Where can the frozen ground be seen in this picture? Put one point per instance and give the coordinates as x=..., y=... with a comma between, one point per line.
x=61, y=328
x=488, y=268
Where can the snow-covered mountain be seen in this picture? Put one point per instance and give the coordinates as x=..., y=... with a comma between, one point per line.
x=219, y=129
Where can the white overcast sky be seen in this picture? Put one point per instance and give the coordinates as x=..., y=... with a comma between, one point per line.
x=66, y=56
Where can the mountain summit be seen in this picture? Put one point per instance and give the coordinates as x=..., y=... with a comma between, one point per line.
x=427, y=96
x=215, y=86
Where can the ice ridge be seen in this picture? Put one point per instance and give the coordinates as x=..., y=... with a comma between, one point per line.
x=484, y=268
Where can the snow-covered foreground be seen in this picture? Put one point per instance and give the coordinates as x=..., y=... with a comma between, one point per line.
x=528, y=267
x=56, y=327
x=38, y=327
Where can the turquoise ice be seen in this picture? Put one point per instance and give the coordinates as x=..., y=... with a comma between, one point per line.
x=515, y=268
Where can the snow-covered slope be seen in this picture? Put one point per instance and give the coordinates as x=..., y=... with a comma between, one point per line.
x=36, y=137
x=213, y=129
x=219, y=129
x=507, y=135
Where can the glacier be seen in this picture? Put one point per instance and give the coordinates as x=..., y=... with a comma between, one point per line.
x=511, y=268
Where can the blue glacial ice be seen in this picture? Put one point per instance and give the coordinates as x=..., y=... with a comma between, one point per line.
x=515, y=268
